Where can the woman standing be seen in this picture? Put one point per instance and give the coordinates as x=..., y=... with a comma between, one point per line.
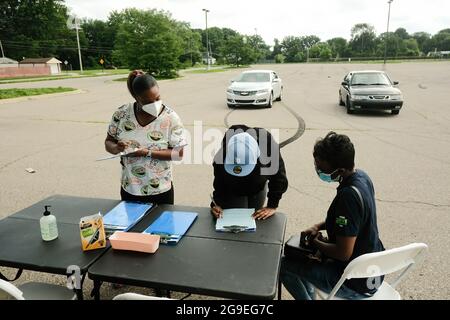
x=151, y=135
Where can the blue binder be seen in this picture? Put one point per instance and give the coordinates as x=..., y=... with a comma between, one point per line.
x=172, y=225
x=125, y=215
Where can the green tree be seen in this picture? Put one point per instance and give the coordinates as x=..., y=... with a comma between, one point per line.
x=339, y=47
x=442, y=40
x=363, y=40
x=276, y=49
x=237, y=51
x=321, y=51
x=216, y=38
x=146, y=40
x=308, y=41
x=410, y=48
x=292, y=48
x=402, y=33
x=422, y=38
x=100, y=38
x=279, y=58
x=394, y=44
x=262, y=50
x=38, y=29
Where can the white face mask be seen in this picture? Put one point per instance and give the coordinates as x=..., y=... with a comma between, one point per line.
x=153, y=108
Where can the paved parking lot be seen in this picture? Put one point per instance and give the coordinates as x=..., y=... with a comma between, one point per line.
x=407, y=156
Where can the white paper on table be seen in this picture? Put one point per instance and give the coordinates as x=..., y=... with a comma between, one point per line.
x=239, y=218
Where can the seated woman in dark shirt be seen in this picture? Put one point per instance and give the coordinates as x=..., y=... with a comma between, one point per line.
x=351, y=226
x=248, y=164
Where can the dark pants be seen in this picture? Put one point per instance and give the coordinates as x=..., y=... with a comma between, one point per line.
x=248, y=201
x=162, y=198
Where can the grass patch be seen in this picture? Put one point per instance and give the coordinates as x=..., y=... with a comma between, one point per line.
x=14, y=93
x=64, y=75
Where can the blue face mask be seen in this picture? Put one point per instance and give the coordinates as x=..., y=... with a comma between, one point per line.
x=327, y=177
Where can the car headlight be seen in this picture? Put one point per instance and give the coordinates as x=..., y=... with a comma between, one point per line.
x=396, y=97
x=360, y=97
x=230, y=90
x=262, y=91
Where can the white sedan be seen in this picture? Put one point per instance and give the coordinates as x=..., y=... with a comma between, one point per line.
x=255, y=87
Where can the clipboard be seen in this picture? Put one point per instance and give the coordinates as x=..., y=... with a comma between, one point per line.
x=236, y=220
x=125, y=215
x=171, y=226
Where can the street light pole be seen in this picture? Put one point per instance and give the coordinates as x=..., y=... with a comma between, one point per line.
x=387, y=31
x=207, y=41
x=77, y=27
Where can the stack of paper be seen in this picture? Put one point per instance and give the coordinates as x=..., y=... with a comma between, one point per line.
x=172, y=225
x=125, y=215
x=236, y=220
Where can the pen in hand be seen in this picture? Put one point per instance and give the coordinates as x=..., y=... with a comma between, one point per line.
x=216, y=208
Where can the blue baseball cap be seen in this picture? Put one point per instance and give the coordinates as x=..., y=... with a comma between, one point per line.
x=242, y=155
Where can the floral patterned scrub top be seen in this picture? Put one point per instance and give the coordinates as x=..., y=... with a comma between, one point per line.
x=143, y=176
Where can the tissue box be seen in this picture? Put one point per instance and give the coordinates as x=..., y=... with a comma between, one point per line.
x=134, y=241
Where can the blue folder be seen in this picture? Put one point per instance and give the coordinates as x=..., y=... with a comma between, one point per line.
x=172, y=225
x=125, y=215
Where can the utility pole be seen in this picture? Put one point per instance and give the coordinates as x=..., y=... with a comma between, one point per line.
x=1, y=46
x=77, y=27
x=387, y=32
x=207, y=41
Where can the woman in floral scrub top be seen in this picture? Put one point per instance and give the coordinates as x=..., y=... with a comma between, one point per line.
x=154, y=135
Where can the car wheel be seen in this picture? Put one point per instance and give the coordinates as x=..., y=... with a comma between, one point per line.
x=341, y=103
x=349, y=108
x=270, y=103
x=395, y=111
x=281, y=95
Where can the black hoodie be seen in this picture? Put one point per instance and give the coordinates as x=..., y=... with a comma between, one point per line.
x=226, y=184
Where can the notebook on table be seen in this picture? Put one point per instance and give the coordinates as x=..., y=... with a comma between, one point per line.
x=172, y=225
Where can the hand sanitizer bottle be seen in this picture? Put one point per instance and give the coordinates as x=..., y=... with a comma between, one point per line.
x=49, y=228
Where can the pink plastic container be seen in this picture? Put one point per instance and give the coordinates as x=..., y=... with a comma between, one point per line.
x=133, y=241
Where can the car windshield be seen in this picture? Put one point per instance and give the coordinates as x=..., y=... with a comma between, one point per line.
x=367, y=79
x=254, y=77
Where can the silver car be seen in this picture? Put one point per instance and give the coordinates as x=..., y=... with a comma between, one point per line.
x=255, y=88
x=370, y=90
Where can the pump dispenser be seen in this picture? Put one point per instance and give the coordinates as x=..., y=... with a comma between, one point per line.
x=49, y=228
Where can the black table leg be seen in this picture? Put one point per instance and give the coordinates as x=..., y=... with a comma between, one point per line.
x=79, y=291
x=96, y=290
x=279, y=288
x=17, y=276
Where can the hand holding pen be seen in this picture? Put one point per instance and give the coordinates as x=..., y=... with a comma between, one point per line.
x=217, y=211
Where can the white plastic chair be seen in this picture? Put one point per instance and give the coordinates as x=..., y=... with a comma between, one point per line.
x=136, y=296
x=378, y=264
x=37, y=291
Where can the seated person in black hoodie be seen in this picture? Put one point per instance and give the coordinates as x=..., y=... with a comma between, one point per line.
x=248, y=164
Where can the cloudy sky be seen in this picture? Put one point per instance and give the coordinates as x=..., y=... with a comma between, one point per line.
x=279, y=18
